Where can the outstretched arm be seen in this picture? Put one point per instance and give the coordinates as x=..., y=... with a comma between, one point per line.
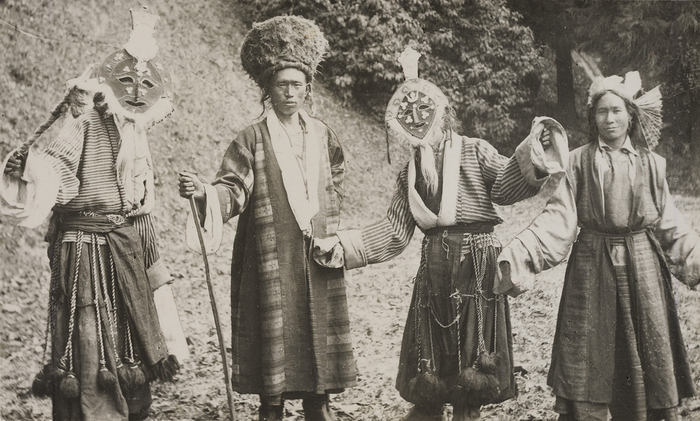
x=543, y=245
x=33, y=183
x=379, y=241
x=542, y=154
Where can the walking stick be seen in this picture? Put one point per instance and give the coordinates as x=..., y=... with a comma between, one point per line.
x=212, y=300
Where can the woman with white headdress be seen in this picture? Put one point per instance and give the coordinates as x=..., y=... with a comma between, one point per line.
x=618, y=347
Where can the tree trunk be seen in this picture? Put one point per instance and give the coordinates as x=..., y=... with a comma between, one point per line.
x=693, y=136
x=565, y=81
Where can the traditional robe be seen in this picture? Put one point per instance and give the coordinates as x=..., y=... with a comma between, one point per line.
x=618, y=342
x=100, y=258
x=291, y=331
x=454, y=315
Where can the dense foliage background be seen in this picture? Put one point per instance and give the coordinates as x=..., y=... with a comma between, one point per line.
x=500, y=61
x=475, y=50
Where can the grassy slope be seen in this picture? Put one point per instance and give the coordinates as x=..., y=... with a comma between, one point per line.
x=215, y=100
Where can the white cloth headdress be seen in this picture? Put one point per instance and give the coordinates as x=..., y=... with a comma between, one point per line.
x=649, y=104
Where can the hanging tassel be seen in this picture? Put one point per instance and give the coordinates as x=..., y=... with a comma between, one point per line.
x=70, y=387
x=125, y=378
x=487, y=362
x=42, y=386
x=131, y=378
x=475, y=387
x=106, y=380
x=138, y=377
x=426, y=389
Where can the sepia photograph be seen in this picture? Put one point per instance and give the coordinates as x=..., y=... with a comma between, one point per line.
x=350, y=210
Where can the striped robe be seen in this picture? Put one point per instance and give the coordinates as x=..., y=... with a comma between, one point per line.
x=291, y=331
x=445, y=323
x=82, y=162
x=618, y=345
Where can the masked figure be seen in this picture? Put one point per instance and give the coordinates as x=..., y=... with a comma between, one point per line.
x=104, y=339
x=457, y=344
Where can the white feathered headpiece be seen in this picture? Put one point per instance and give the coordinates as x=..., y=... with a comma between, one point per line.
x=649, y=103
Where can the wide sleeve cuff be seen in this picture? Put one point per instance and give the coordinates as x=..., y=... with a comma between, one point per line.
x=514, y=270
x=212, y=225
x=355, y=254
x=685, y=253
x=536, y=163
x=28, y=200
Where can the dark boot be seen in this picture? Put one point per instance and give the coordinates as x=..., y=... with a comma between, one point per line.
x=316, y=408
x=424, y=413
x=269, y=412
x=465, y=413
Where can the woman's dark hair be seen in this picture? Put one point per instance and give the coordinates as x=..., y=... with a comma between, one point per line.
x=632, y=110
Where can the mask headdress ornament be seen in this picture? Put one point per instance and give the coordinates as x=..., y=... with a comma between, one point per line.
x=134, y=86
x=280, y=43
x=648, y=104
x=138, y=80
x=415, y=115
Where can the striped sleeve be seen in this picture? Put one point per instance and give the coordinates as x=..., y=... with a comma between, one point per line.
x=387, y=238
x=503, y=176
x=234, y=181
x=338, y=167
x=64, y=155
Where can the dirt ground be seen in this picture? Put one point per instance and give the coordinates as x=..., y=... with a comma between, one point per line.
x=215, y=99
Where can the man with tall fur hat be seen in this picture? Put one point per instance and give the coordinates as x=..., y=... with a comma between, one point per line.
x=283, y=177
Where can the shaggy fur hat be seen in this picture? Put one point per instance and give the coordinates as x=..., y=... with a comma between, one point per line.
x=282, y=42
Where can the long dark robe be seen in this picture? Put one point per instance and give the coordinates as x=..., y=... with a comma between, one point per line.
x=618, y=340
x=290, y=329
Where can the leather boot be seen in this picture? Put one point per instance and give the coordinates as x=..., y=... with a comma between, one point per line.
x=424, y=413
x=270, y=412
x=316, y=408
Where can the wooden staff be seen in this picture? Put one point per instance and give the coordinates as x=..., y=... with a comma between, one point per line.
x=212, y=300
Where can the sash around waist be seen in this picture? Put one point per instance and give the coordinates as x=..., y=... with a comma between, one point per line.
x=92, y=222
x=617, y=235
x=473, y=228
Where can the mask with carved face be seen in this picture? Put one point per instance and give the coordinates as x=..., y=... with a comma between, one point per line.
x=416, y=113
x=137, y=85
